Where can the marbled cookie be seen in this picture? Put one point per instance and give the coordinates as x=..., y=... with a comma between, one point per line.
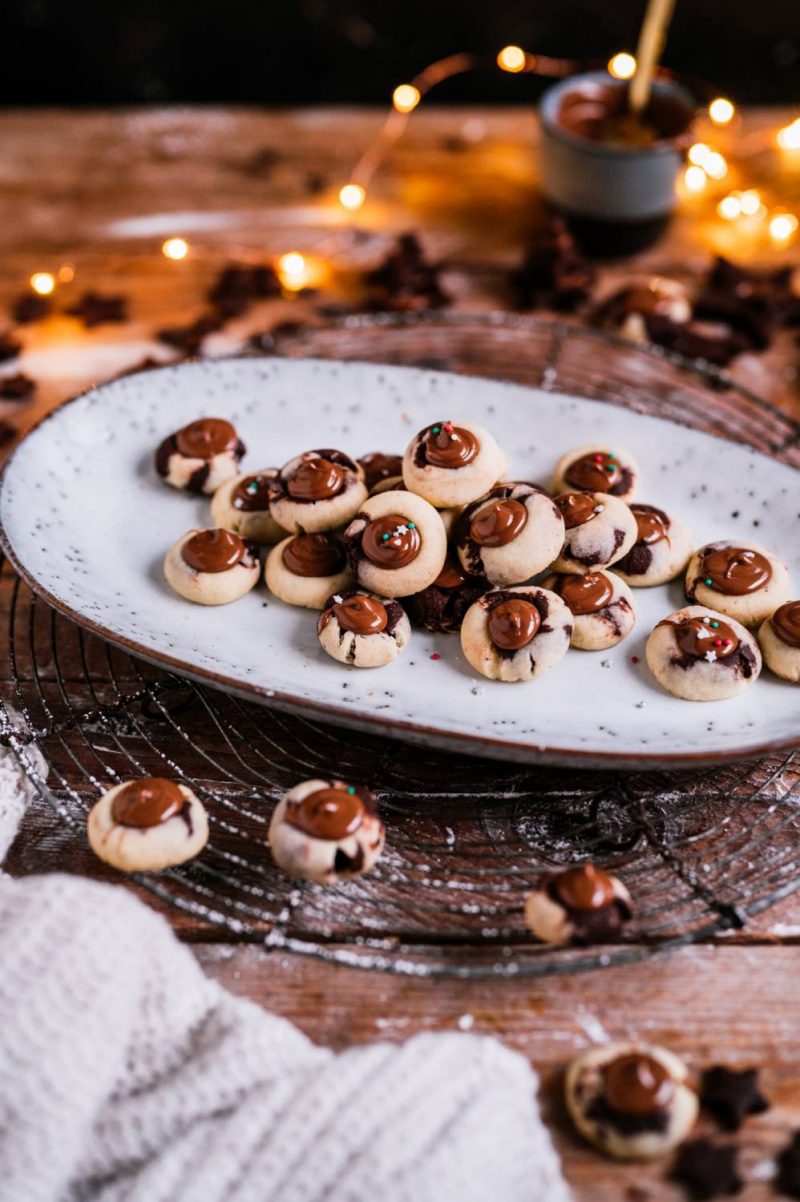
x=516, y=633
x=326, y=831
x=597, y=468
x=630, y=1100
x=147, y=825
x=212, y=567
x=242, y=505
x=396, y=544
x=318, y=490
x=201, y=456
x=779, y=639
x=700, y=655
x=510, y=534
x=305, y=569
x=580, y=905
x=600, y=530
x=600, y=603
x=451, y=464
x=362, y=630
x=442, y=605
x=661, y=551
x=739, y=579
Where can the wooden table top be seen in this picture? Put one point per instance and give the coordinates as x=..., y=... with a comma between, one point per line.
x=99, y=192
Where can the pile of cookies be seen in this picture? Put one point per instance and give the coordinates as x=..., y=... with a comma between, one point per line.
x=440, y=539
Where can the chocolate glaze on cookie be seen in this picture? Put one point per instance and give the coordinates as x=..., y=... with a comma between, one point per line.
x=498, y=523
x=251, y=494
x=313, y=555
x=201, y=439
x=216, y=550
x=577, y=508
x=391, y=541
x=319, y=476
x=705, y=638
x=148, y=802
x=734, y=571
x=786, y=623
x=513, y=620
x=596, y=912
x=446, y=446
x=361, y=614
x=331, y=813
x=599, y=471
x=587, y=594
x=378, y=465
x=653, y=527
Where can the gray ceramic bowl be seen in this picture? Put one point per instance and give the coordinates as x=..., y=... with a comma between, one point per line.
x=609, y=181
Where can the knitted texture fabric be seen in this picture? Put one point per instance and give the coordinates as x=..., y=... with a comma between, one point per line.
x=126, y=1075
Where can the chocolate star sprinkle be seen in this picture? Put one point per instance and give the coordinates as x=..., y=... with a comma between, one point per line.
x=94, y=309
x=707, y=1170
x=17, y=388
x=29, y=306
x=190, y=338
x=788, y=1175
x=405, y=281
x=239, y=285
x=731, y=1095
x=10, y=346
x=554, y=273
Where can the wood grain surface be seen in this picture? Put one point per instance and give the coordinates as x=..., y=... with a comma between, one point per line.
x=99, y=192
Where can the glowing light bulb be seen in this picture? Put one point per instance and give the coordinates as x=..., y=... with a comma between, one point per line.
x=695, y=179
x=750, y=202
x=405, y=97
x=721, y=111
x=43, y=282
x=729, y=207
x=66, y=273
x=622, y=66
x=292, y=270
x=782, y=227
x=352, y=196
x=710, y=160
x=175, y=248
x=788, y=138
x=512, y=58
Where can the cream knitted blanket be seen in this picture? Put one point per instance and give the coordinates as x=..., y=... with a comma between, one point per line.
x=126, y=1074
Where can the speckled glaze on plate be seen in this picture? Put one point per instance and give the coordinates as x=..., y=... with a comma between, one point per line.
x=86, y=521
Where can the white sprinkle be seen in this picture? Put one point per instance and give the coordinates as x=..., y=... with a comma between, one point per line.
x=337, y=598
x=599, y=508
x=711, y=657
x=466, y=1022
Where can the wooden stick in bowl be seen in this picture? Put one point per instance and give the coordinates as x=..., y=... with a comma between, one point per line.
x=651, y=42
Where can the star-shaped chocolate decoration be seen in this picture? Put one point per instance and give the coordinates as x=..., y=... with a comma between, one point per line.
x=10, y=346
x=554, y=273
x=94, y=309
x=29, y=306
x=17, y=388
x=240, y=284
x=406, y=280
x=190, y=338
x=707, y=1170
x=731, y=1095
x=788, y=1176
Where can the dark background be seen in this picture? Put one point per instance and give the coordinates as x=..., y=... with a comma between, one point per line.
x=344, y=51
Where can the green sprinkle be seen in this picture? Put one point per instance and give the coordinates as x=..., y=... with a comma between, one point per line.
x=385, y=537
x=351, y=789
x=715, y=625
x=412, y=525
x=611, y=455
x=436, y=429
x=708, y=581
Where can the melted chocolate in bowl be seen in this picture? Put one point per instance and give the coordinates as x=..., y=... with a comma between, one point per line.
x=331, y=813
x=147, y=802
x=601, y=113
x=786, y=623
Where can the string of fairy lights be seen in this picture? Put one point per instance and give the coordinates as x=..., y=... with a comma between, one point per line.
x=705, y=174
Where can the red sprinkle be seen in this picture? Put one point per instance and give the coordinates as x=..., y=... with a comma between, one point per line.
x=436, y=655
x=634, y=659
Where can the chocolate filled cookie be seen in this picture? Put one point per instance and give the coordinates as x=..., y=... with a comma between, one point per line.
x=600, y=603
x=212, y=567
x=326, y=831
x=379, y=466
x=779, y=639
x=242, y=505
x=516, y=633
x=661, y=551
x=452, y=463
x=317, y=491
x=600, y=530
x=201, y=456
x=580, y=905
x=739, y=579
x=396, y=544
x=442, y=605
x=631, y=1100
x=147, y=825
x=597, y=468
x=363, y=630
x=510, y=534
x=700, y=655
x=305, y=569
x=633, y=311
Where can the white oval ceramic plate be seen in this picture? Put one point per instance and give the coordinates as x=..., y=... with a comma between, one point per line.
x=87, y=521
